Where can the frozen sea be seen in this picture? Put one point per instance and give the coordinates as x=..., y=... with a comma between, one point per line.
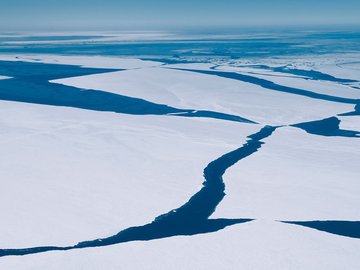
x=180, y=150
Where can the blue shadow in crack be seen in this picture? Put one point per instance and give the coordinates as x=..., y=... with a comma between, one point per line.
x=34, y=72
x=327, y=127
x=343, y=228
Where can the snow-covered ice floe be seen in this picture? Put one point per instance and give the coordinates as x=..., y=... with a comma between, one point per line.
x=182, y=88
x=306, y=177
x=74, y=175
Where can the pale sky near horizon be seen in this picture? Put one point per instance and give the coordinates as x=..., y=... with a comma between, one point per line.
x=162, y=14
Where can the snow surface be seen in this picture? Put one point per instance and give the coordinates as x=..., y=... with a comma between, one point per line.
x=184, y=89
x=321, y=87
x=73, y=175
x=302, y=177
x=344, y=66
x=260, y=245
x=350, y=122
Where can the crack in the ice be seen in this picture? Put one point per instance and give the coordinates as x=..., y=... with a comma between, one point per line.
x=338, y=227
x=30, y=84
x=327, y=127
x=189, y=219
x=273, y=86
x=193, y=217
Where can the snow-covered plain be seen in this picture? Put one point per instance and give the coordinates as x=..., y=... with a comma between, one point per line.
x=74, y=175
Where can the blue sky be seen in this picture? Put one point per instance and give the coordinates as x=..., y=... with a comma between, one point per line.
x=161, y=14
